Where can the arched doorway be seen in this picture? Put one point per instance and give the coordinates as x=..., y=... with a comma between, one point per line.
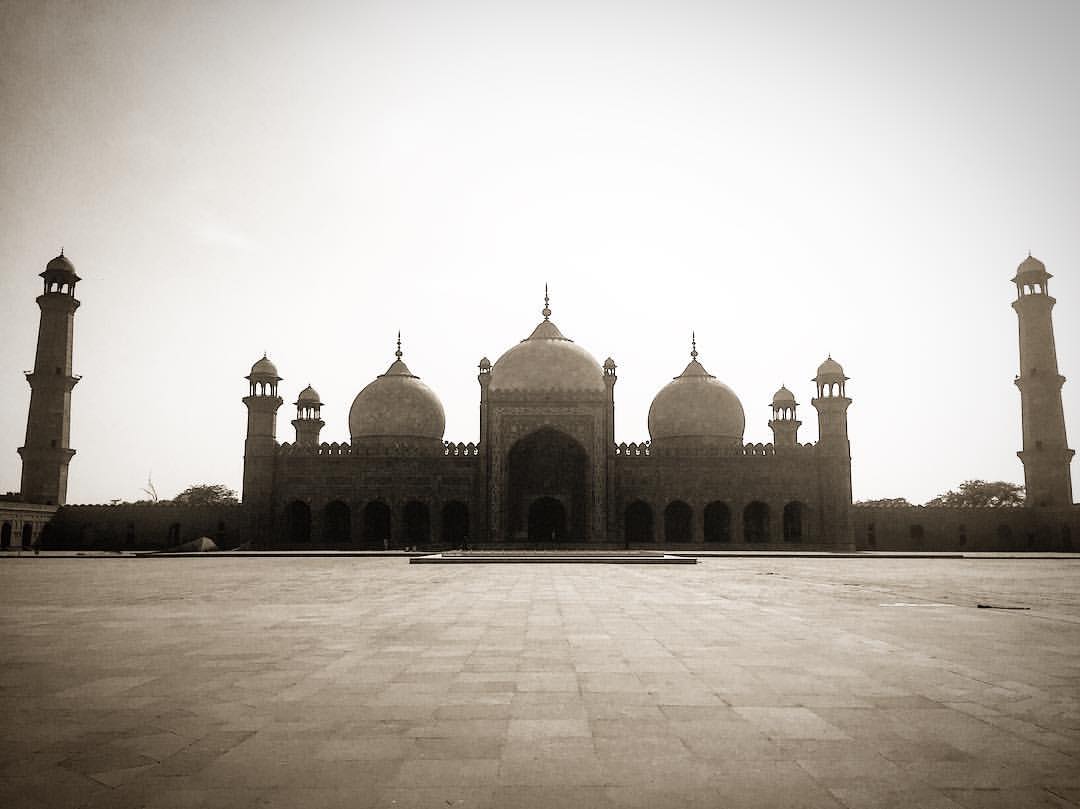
x=27, y=534
x=547, y=465
x=455, y=523
x=638, y=522
x=297, y=522
x=5, y=536
x=756, y=522
x=793, y=521
x=337, y=523
x=376, y=524
x=677, y=522
x=417, y=523
x=717, y=522
x=547, y=520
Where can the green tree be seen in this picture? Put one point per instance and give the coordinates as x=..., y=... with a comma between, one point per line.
x=994, y=494
x=206, y=494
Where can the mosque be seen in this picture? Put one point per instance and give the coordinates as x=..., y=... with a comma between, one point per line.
x=546, y=470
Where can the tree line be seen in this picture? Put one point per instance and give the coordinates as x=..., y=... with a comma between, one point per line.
x=980, y=493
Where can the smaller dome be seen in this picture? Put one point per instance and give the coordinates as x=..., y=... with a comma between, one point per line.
x=485, y=363
x=783, y=397
x=309, y=394
x=1028, y=265
x=609, y=364
x=397, y=405
x=696, y=407
x=830, y=368
x=60, y=264
x=264, y=368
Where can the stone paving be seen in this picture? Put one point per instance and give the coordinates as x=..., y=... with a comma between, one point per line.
x=320, y=683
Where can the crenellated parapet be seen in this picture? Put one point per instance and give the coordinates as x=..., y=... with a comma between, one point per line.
x=331, y=449
x=633, y=450
x=460, y=450
x=751, y=450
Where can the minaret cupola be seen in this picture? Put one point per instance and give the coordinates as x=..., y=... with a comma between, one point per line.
x=784, y=423
x=308, y=422
x=59, y=276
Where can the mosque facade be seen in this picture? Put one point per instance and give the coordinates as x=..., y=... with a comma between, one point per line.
x=546, y=470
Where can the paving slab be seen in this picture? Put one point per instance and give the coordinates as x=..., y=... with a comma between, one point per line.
x=357, y=681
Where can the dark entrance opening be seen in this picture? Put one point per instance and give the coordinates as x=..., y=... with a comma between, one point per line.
x=417, y=523
x=297, y=522
x=677, y=522
x=337, y=523
x=547, y=465
x=793, y=522
x=756, y=522
x=5, y=536
x=717, y=522
x=27, y=535
x=638, y=522
x=455, y=523
x=547, y=520
x=376, y=525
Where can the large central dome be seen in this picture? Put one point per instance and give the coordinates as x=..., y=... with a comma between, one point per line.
x=547, y=361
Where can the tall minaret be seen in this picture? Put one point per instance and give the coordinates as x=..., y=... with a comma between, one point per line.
x=1046, y=454
x=46, y=454
x=260, y=447
x=834, y=451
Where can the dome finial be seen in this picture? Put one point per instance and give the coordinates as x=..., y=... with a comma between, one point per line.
x=62, y=251
x=693, y=345
x=398, y=352
x=547, y=309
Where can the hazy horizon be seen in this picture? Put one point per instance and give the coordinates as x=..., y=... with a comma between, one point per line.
x=787, y=181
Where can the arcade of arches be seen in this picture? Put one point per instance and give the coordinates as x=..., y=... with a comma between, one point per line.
x=545, y=518
x=679, y=523
x=375, y=529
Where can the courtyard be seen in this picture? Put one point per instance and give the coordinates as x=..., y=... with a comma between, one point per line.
x=367, y=682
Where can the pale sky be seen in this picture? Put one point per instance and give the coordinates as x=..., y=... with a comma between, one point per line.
x=788, y=179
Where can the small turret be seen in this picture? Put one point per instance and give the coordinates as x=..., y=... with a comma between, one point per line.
x=784, y=423
x=308, y=422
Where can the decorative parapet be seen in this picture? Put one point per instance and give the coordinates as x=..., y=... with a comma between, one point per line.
x=461, y=450
x=646, y=449
x=324, y=448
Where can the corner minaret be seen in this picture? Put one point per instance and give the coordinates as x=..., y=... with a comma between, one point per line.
x=260, y=447
x=834, y=450
x=1046, y=455
x=46, y=454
